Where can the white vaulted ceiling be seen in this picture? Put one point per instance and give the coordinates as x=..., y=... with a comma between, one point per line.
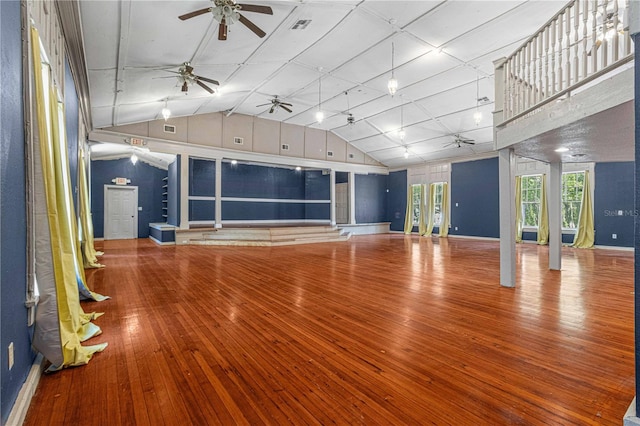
x=444, y=53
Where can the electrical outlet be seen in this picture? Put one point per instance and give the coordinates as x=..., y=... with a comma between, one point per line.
x=11, y=359
x=456, y=228
x=614, y=236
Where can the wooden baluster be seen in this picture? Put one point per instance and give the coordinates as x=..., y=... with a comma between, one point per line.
x=519, y=82
x=605, y=40
x=594, y=36
x=585, y=57
x=536, y=58
x=559, y=35
x=507, y=90
x=568, y=46
x=527, y=69
x=541, y=93
x=547, y=57
x=552, y=36
x=614, y=41
x=514, y=93
x=576, y=26
x=627, y=38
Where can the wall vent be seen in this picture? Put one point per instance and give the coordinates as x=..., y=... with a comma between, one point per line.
x=329, y=153
x=285, y=147
x=301, y=24
x=169, y=128
x=351, y=156
x=238, y=140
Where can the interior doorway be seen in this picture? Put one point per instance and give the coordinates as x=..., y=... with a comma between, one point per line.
x=342, y=203
x=120, y=212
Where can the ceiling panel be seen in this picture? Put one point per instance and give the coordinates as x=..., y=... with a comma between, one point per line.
x=351, y=40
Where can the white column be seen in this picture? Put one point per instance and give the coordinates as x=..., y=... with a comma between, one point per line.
x=555, y=216
x=352, y=198
x=184, y=191
x=506, y=159
x=218, y=203
x=332, y=190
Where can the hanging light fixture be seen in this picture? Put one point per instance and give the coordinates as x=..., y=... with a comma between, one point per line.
x=350, y=118
x=392, y=84
x=477, y=116
x=402, y=133
x=166, y=112
x=406, y=152
x=319, y=113
x=134, y=158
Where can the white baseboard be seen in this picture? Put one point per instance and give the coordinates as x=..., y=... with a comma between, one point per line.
x=473, y=237
x=21, y=406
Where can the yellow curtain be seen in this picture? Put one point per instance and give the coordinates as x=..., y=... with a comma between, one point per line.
x=543, y=217
x=422, y=224
x=584, y=237
x=431, y=207
x=66, y=320
x=89, y=253
x=444, y=212
x=408, y=217
x=519, y=209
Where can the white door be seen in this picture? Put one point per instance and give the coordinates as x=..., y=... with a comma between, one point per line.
x=342, y=203
x=120, y=212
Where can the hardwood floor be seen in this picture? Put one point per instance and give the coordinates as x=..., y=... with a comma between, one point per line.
x=382, y=329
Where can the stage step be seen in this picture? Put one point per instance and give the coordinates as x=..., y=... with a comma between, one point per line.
x=278, y=236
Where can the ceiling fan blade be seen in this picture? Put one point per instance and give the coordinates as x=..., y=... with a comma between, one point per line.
x=261, y=105
x=194, y=14
x=222, y=30
x=255, y=8
x=204, y=86
x=273, y=108
x=285, y=108
x=208, y=80
x=185, y=87
x=253, y=27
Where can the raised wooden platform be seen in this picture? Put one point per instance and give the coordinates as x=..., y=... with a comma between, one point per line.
x=270, y=236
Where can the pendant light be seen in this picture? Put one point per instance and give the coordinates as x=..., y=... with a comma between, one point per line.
x=392, y=84
x=166, y=112
x=477, y=116
x=134, y=158
x=401, y=133
x=319, y=113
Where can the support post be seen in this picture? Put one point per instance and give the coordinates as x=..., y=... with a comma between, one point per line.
x=506, y=160
x=352, y=198
x=218, y=202
x=184, y=191
x=555, y=216
x=332, y=192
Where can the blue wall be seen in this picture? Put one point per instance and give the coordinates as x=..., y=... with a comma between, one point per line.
x=13, y=233
x=71, y=123
x=202, y=183
x=147, y=178
x=396, y=200
x=474, y=186
x=613, y=186
x=371, y=198
x=173, y=193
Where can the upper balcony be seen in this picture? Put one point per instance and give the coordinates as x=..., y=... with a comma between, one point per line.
x=570, y=84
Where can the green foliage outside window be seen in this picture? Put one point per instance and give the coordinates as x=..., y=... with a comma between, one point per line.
x=415, y=196
x=531, y=190
x=438, y=204
x=572, y=184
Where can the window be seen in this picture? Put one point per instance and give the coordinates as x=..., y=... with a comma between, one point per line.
x=531, y=187
x=416, y=197
x=437, y=207
x=572, y=184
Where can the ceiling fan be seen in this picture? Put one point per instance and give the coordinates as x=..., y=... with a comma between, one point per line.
x=277, y=103
x=459, y=140
x=227, y=12
x=187, y=77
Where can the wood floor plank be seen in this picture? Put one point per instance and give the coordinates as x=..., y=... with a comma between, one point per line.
x=385, y=329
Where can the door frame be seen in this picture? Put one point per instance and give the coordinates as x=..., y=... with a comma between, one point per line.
x=105, y=222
